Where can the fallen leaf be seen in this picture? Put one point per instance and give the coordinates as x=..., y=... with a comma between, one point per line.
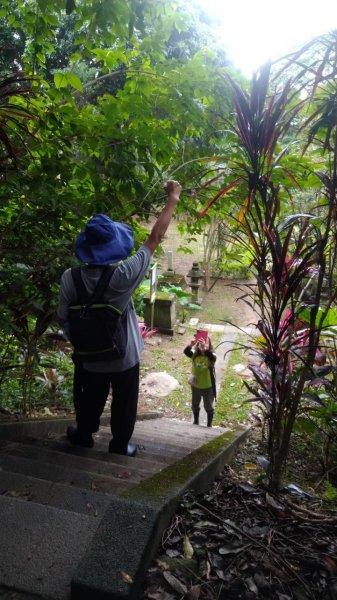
x=126, y=577
x=250, y=466
x=159, y=594
x=175, y=539
x=188, y=549
x=163, y=565
x=232, y=549
x=124, y=475
x=220, y=574
x=205, y=524
x=252, y=585
x=292, y=487
x=215, y=560
x=205, y=569
x=195, y=511
x=330, y=563
x=256, y=530
x=246, y=487
x=264, y=463
x=174, y=582
x=193, y=593
x=172, y=553
x=274, y=503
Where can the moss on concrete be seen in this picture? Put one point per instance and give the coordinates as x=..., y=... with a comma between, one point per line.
x=177, y=476
x=162, y=296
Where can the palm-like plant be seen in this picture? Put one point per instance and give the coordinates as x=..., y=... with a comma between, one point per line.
x=260, y=119
x=14, y=120
x=283, y=255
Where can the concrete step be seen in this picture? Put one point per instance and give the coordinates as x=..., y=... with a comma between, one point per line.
x=151, y=505
x=168, y=439
x=40, y=547
x=136, y=471
x=112, y=508
x=61, y=474
x=74, y=499
x=154, y=450
x=157, y=456
x=99, y=452
x=174, y=428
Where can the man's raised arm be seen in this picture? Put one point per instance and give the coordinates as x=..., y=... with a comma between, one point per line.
x=173, y=189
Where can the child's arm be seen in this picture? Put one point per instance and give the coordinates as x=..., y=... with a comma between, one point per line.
x=211, y=355
x=208, y=352
x=188, y=350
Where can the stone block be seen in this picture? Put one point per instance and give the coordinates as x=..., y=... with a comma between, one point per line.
x=164, y=312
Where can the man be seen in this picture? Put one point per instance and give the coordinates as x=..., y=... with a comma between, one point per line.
x=105, y=242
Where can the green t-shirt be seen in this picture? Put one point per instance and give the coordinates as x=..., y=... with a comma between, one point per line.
x=200, y=370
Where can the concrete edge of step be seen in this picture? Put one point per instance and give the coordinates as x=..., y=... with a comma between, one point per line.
x=128, y=536
x=41, y=427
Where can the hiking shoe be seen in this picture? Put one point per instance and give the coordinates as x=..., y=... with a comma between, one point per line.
x=132, y=449
x=78, y=438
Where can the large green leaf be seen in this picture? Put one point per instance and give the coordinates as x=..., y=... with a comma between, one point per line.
x=324, y=318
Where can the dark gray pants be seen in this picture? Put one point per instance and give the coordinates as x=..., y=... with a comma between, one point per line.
x=202, y=394
x=91, y=391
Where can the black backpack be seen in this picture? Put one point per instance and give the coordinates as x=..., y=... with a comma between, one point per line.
x=97, y=329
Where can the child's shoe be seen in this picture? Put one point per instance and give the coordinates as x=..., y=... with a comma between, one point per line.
x=210, y=414
x=196, y=417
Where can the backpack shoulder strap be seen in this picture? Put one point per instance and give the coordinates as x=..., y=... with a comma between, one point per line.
x=82, y=293
x=102, y=284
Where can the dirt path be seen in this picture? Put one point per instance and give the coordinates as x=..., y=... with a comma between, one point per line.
x=221, y=306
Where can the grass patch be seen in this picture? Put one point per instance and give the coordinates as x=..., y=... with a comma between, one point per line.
x=170, y=358
x=213, y=310
x=231, y=408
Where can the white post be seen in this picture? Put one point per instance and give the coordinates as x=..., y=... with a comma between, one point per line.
x=170, y=260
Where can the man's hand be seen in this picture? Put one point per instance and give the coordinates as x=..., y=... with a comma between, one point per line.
x=173, y=189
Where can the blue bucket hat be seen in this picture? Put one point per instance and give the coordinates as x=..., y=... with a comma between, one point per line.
x=103, y=241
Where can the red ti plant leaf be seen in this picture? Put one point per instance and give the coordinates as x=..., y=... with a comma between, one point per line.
x=222, y=192
x=207, y=184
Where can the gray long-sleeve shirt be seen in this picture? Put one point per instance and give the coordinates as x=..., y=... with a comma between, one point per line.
x=125, y=279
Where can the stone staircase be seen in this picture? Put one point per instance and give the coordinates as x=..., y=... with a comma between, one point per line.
x=82, y=523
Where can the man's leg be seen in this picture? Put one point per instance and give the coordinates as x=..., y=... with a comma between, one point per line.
x=94, y=396
x=77, y=386
x=125, y=389
x=90, y=393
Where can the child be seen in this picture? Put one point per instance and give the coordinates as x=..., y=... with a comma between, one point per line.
x=203, y=377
